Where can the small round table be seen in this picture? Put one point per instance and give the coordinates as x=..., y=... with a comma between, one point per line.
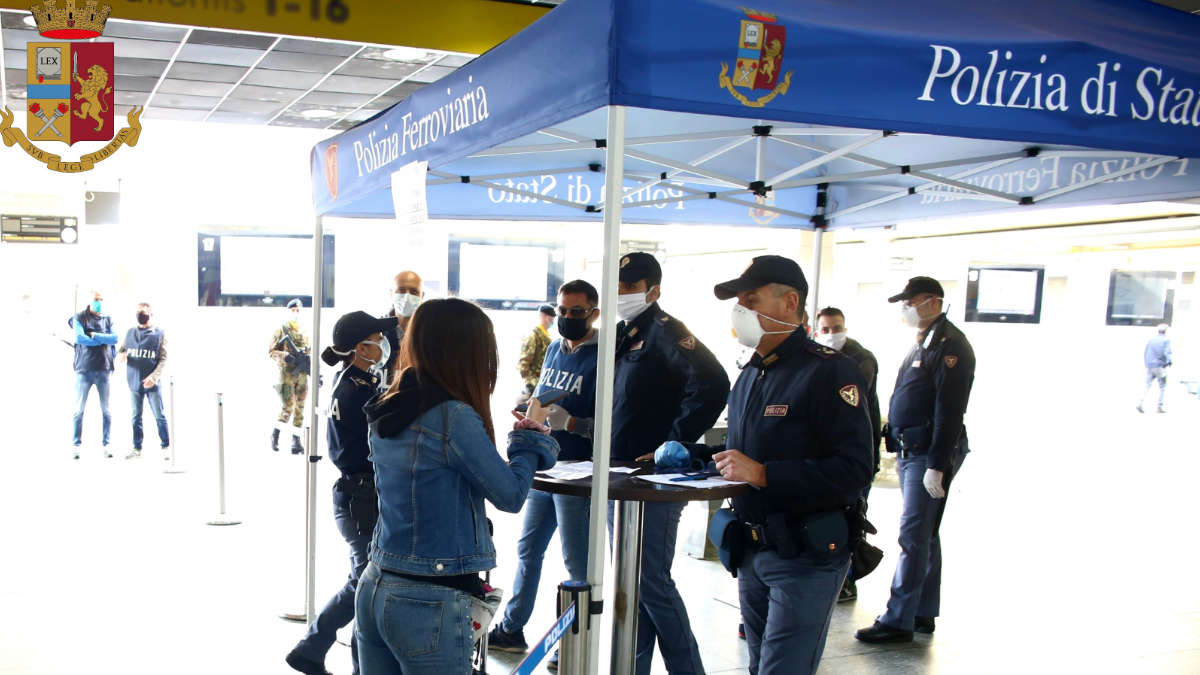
x=631, y=496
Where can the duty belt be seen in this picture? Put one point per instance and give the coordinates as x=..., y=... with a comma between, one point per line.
x=756, y=535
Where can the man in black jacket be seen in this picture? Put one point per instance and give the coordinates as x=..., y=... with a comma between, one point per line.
x=925, y=427
x=800, y=434
x=95, y=349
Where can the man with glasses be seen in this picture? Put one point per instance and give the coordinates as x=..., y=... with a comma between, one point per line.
x=569, y=368
x=925, y=427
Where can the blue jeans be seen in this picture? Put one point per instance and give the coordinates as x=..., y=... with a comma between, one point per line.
x=407, y=627
x=786, y=607
x=544, y=513
x=154, y=396
x=356, y=510
x=917, y=583
x=83, y=383
x=662, y=616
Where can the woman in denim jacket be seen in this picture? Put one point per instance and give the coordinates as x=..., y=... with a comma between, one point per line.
x=434, y=453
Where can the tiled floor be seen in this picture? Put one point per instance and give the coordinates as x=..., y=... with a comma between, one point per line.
x=1069, y=545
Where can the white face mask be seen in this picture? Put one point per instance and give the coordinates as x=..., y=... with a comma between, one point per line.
x=910, y=314
x=385, y=353
x=405, y=304
x=834, y=341
x=747, y=328
x=630, y=305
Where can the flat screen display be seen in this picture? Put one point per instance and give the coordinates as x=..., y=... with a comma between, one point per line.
x=1004, y=294
x=260, y=270
x=1138, y=298
x=500, y=274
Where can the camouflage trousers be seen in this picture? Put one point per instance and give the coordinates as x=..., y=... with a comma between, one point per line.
x=293, y=391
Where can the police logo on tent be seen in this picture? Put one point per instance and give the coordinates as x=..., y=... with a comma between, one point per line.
x=759, y=63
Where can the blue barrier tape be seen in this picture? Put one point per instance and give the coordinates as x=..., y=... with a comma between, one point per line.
x=551, y=638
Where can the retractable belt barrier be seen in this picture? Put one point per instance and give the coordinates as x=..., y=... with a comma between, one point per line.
x=221, y=519
x=551, y=638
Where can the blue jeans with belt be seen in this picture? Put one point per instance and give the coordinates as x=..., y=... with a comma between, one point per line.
x=544, y=513
x=917, y=583
x=786, y=607
x=409, y=627
x=83, y=384
x=154, y=396
x=356, y=510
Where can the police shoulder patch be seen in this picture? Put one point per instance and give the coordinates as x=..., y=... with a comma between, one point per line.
x=688, y=343
x=951, y=360
x=849, y=394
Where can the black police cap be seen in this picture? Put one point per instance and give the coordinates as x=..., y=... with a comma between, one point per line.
x=352, y=329
x=765, y=269
x=916, y=286
x=637, y=266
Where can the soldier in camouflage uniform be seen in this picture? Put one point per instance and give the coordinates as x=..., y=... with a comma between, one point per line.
x=533, y=352
x=293, y=382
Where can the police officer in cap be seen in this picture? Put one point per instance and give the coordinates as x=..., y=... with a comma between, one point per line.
x=667, y=386
x=925, y=426
x=361, y=346
x=800, y=434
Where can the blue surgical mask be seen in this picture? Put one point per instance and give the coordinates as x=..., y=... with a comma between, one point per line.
x=97, y=306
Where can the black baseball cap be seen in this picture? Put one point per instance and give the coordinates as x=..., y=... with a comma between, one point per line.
x=637, y=266
x=765, y=269
x=547, y=310
x=917, y=286
x=352, y=329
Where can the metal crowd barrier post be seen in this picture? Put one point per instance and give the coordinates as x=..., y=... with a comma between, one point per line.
x=221, y=519
x=171, y=430
x=541, y=648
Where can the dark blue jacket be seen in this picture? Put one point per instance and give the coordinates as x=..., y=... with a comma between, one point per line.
x=347, y=433
x=1158, y=352
x=930, y=398
x=667, y=385
x=142, y=349
x=95, y=342
x=869, y=367
x=574, y=373
x=802, y=412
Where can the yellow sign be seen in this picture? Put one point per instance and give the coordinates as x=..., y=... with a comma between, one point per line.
x=470, y=26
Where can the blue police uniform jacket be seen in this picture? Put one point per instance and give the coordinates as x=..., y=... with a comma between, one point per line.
x=1158, y=352
x=801, y=411
x=667, y=385
x=574, y=373
x=929, y=401
x=93, y=352
x=869, y=367
x=347, y=432
x=434, y=467
x=142, y=347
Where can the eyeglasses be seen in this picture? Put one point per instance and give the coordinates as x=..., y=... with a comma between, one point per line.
x=575, y=312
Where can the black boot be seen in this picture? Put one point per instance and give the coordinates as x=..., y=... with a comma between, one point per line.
x=275, y=440
x=297, y=449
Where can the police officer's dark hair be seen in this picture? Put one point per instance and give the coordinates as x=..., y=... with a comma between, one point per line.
x=780, y=289
x=581, y=286
x=830, y=312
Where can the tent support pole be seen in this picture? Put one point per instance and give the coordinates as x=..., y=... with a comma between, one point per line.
x=614, y=168
x=814, y=292
x=314, y=425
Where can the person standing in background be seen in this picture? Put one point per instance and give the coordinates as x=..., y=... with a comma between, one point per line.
x=533, y=352
x=145, y=355
x=407, y=293
x=1157, y=357
x=289, y=348
x=94, y=354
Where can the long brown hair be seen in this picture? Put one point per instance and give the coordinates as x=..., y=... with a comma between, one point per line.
x=452, y=342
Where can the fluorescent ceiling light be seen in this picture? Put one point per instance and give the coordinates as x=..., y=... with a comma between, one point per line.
x=406, y=54
x=318, y=114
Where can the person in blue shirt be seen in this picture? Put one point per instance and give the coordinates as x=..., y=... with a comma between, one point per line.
x=145, y=355
x=95, y=350
x=800, y=434
x=361, y=348
x=1157, y=357
x=434, y=452
x=570, y=367
x=667, y=387
x=925, y=428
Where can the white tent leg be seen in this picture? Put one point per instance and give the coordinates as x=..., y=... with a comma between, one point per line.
x=314, y=425
x=814, y=288
x=614, y=168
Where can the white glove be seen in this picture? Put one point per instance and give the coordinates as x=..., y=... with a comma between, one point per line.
x=557, y=417
x=933, y=483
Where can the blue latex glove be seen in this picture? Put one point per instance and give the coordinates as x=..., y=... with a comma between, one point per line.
x=672, y=455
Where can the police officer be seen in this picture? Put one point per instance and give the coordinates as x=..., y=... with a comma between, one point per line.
x=925, y=426
x=145, y=352
x=360, y=346
x=800, y=434
x=667, y=386
x=288, y=349
x=831, y=332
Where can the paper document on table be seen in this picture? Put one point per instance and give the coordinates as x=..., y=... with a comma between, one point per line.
x=569, y=470
x=622, y=469
x=667, y=479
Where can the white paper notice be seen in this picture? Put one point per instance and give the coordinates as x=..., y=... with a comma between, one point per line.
x=408, y=193
x=575, y=470
x=667, y=479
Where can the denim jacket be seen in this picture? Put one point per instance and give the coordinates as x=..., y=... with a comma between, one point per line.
x=433, y=476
